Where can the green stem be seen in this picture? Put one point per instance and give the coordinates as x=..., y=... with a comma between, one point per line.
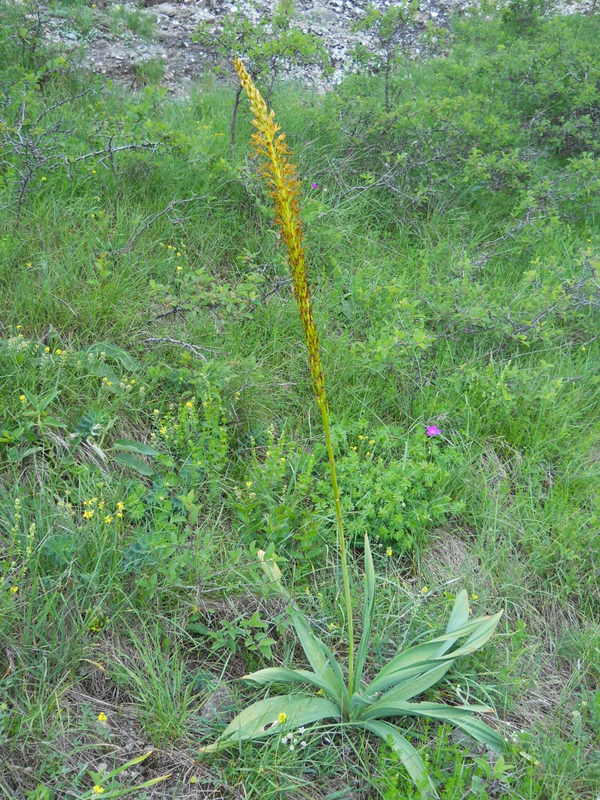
x=341, y=543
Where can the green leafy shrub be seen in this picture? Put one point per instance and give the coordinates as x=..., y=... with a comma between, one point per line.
x=397, y=486
x=473, y=129
x=268, y=44
x=246, y=636
x=274, y=506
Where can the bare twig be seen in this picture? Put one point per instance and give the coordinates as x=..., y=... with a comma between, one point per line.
x=279, y=284
x=177, y=343
x=109, y=150
x=60, y=103
x=175, y=310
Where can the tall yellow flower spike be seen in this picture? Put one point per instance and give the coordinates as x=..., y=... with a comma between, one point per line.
x=284, y=187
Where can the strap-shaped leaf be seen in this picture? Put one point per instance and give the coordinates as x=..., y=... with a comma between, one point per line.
x=321, y=658
x=479, y=637
x=422, y=657
x=363, y=647
x=282, y=675
x=261, y=719
x=416, y=685
x=459, y=615
x=407, y=754
x=461, y=716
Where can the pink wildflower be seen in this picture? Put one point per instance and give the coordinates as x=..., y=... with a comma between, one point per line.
x=432, y=430
x=314, y=185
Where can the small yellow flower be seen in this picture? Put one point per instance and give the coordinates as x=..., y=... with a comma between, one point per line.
x=14, y=589
x=248, y=484
x=88, y=514
x=120, y=506
x=189, y=404
x=389, y=552
x=474, y=596
x=425, y=589
x=98, y=789
x=22, y=398
x=19, y=327
x=108, y=519
x=46, y=349
x=102, y=717
x=281, y=717
x=179, y=268
x=43, y=179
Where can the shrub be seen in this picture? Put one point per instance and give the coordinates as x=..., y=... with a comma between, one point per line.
x=397, y=486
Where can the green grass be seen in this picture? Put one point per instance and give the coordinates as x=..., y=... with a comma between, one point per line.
x=454, y=252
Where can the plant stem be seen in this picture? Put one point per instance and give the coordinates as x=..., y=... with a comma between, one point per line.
x=280, y=175
x=341, y=537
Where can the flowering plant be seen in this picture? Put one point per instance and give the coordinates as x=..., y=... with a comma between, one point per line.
x=347, y=698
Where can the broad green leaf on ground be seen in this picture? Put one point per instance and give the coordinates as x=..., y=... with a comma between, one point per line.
x=114, y=353
x=263, y=719
x=134, y=462
x=461, y=716
x=131, y=446
x=282, y=675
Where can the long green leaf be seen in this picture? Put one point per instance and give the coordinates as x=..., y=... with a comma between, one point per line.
x=321, y=658
x=134, y=462
x=421, y=657
x=479, y=637
x=282, y=675
x=461, y=716
x=116, y=353
x=363, y=647
x=459, y=615
x=130, y=446
x=414, y=686
x=261, y=719
x=407, y=754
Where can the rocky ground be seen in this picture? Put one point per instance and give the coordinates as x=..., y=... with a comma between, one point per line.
x=134, y=41
x=118, y=39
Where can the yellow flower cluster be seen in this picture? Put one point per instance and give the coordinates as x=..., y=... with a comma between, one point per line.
x=281, y=178
x=95, y=504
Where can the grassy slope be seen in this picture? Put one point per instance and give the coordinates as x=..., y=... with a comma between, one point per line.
x=460, y=293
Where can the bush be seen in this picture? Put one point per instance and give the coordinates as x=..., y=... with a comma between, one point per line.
x=395, y=486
